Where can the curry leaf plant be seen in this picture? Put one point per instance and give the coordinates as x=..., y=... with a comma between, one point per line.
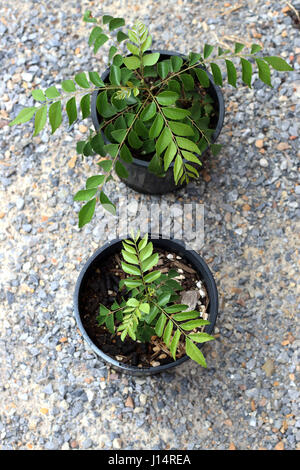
x=149, y=306
x=151, y=108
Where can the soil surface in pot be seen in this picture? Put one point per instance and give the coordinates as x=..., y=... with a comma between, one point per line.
x=101, y=285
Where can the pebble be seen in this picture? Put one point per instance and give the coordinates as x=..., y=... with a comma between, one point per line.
x=263, y=162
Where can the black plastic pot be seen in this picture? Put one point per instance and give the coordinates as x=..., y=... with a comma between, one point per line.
x=169, y=245
x=140, y=179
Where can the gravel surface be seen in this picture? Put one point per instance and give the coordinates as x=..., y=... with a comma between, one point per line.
x=55, y=394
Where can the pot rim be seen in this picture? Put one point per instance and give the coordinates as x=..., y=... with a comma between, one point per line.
x=219, y=94
x=194, y=258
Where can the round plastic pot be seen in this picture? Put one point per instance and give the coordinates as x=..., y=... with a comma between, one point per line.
x=140, y=179
x=169, y=245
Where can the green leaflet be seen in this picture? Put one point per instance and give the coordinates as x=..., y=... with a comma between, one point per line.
x=278, y=63
x=194, y=353
x=40, y=119
x=149, y=112
x=68, y=86
x=71, y=109
x=169, y=155
x=116, y=23
x=159, y=327
x=174, y=343
x=55, y=117
x=82, y=80
x=246, y=71
x=176, y=113
x=85, y=106
x=38, y=95
x=163, y=141
x=107, y=204
x=176, y=63
x=217, y=74
x=150, y=59
x=202, y=77
x=24, y=116
x=156, y=127
x=94, y=181
x=264, y=72
x=86, y=212
x=85, y=194
x=231, y=72
x=181, y=129
x=132, y=63
x=166, y=98
x=207, y=50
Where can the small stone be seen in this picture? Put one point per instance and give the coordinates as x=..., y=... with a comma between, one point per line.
x=73, y=444
x=279, y=446
x=231, y=446
x=20, y=203
x=117, y=443
x=27, y=228
x=190, y=298
x=129, y=402
x=27, y=77
x=259, y=143
x=263, y=162
x=143, y=399
x=269, y=367
x=83, y=129
x=283, y=146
